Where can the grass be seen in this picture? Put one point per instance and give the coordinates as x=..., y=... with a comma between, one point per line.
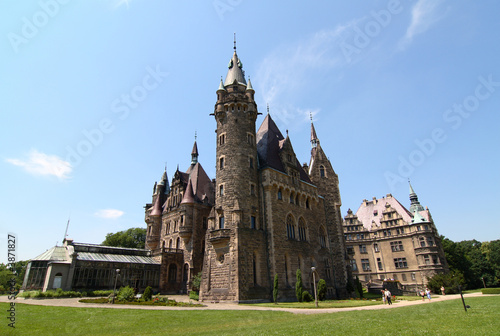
x=439, y=318
x=321, y=304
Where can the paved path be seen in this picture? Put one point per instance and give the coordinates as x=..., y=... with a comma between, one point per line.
x=73, y=302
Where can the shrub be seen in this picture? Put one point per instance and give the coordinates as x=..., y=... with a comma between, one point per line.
x=99, y=293
x=490, y=290
x=194, y=295
x=126, y=294
x=298, y=286
x=147, y=294
x=306, y=297
x=451, y=282
x=195, y=283
x=321, y=289
x=275, y=289
x=359, y=287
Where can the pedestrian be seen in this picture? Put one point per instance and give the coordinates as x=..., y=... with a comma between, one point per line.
x=388, y=296
x=383, y=296
x=422, y=294
x=428, y=293
x=442, y=290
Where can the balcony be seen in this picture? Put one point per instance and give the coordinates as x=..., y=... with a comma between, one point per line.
x=219, y=237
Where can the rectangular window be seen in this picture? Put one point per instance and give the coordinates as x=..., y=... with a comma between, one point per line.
x=252, y=189
x=354, y=267
x=403, y=276
x=350, y=250
x=365, y=264
x=430, y=241
x=221, y=163
x=427, y=260
x=413, y=277
x=221, y=190
x=362, y=249
x=252, y=222
x=221, y=222
x=375, y=247
x=400, y=263
x=379, y=264
x=222, y=139
x=250, y=138
x=397, y=246
x=435, y=259
x=251, y=162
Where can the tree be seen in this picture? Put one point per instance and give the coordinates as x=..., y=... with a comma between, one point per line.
x=132, y=238
x=359, y=287
x=275, y=289
x=450, y=281
x=298, y=286
x=321, y=289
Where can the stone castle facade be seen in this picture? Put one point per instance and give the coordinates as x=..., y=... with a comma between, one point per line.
x=263, y=214
x=384, y=240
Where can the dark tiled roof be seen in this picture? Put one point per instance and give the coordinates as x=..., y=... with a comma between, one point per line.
x=270, y=142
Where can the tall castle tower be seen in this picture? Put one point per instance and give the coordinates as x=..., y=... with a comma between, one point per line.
x=235, y=250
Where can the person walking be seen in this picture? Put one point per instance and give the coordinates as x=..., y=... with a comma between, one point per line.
x=383, y=296
x=422, y=294
x=428, y=293
x=442, y=290
x=388, y=296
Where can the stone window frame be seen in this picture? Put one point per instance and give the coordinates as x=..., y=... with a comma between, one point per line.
x=250, y=139
x=365, y=265
x=322, y=171
x=400, y=263
x=222, y=139
x=322, y=236
x=253, y=222
x=302, y=229
x=280, y=194
x=221, y=189
x=253, y=189
x=290, y=227
x=397, y=246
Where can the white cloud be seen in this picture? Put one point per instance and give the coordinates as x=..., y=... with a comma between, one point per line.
x=289, y=68
x=424, y=14
x=39, y=163
x=109, y=213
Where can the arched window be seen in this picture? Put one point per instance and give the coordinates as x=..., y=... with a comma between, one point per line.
x=292, y=196
x=178, y=244
x=290, y=228
x=170, y=244
x=57, y=281
x=322, y=237
x=185, y=273
x=322, y=171
x=280, y=194
x=307, y=203
x=302, y=230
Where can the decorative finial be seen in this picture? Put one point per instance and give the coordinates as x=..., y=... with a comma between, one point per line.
x=234, y=42
x=195, y=135
x=286, y=132
x=311, y=116
x=267, y=108
x=165, y=166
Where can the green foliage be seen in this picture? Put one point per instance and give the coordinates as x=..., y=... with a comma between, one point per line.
x=475, y=260
x=148, y=293
x=275, y=289
x=451, y=282
x=490, y=290
x=321, y=289
x=194, y=295
x=306, y=297
x=99, y=293
x=133, y=238
x=298, y=286
x=126, y=294
x=16, y=273
x=196, y=282
x=359, y=287
x=436, y=318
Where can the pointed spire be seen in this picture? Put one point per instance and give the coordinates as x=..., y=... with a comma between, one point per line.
x=249, y=85
x=194, y=152
x=157, y=207
x=221, y=85
x=235, y=72
x=314, y=137
x=188, y=194
x=414, y=203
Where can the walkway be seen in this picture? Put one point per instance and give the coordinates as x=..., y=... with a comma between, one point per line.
x=73, y=302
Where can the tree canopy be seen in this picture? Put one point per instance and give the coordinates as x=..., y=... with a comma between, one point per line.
x=133, y=238
x=475, y=260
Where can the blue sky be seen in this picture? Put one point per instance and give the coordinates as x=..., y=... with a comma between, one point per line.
x=97, y=96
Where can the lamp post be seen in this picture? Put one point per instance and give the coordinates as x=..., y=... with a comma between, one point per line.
x=313, y=269
x=416, y=286
x=114, y=288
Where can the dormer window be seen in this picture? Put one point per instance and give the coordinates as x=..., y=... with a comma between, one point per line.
x=289, y=157
x=322, y=171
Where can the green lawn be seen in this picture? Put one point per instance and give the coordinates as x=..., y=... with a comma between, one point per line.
x=439, y=318
x=321, y=304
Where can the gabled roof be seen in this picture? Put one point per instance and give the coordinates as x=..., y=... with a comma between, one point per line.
x=202, y=186
x=270, y=142
x=56, y=253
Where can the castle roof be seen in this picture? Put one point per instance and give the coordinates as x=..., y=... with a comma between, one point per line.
x=270, y=142
x=201, y=184
x=371, y=211
x=235, y=72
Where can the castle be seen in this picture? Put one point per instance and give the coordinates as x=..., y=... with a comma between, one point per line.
x=384, y=240
x=263, y=214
